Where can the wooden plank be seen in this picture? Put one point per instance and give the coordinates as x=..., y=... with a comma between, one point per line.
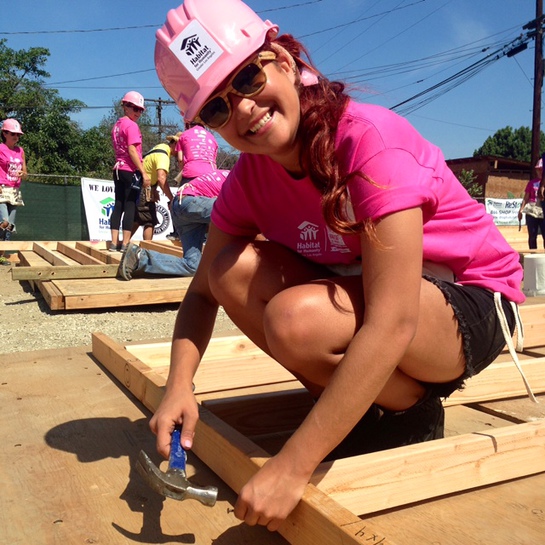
x=49, y=254
x=502, y=379
x=36, y=272
x=28, y=258
x=52, y=296
x=111, y=292
x=238, y=363
x=24, y=245
x=533, y=320
x=99, y=250
x=162, y=247
x=138, y=378
x=382, y=480
x=81, y=257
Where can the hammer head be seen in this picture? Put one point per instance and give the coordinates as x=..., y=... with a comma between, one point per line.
x=173, y=483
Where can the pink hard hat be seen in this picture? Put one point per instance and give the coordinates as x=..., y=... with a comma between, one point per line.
x=133, y=97
x=201, y=43
x=12, y=125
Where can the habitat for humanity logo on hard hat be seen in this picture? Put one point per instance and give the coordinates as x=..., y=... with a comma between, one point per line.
x=196, y=49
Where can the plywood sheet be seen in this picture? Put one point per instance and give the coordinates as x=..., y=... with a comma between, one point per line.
x=67, y=459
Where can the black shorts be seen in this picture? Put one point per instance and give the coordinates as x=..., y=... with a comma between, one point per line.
x=146, y=212
x=479, y=326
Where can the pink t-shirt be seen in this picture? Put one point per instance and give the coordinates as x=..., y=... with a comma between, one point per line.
x=407, y=172
x=206, y=185
x=532, y=188
x=11, y=162
x=200, y=149
x=124, y=133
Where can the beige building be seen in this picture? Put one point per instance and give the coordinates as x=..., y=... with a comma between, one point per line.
x=501, y=178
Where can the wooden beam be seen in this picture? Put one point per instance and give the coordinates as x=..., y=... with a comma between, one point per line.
x=63, y=272
x=162, y=247
x=382, y=480
x=79, y=256
x=49, y=254
x=501, y=380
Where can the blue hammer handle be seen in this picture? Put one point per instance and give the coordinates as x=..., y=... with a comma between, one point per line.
x=177, y=453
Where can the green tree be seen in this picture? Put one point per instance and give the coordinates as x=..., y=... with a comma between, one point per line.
x=22, y=79
x=467, y=179
x=50, y=135
x=510, y=143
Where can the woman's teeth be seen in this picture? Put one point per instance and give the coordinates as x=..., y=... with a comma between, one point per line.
x=265, y=119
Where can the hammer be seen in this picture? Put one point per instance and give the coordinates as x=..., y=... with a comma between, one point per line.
x=173, y=483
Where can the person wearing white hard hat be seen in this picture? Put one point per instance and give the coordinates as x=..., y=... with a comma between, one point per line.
x=532, y=209
x=12, y=171
x=341, y=244
x=128, y=172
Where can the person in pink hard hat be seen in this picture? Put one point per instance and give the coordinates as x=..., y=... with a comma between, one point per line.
x=128, y=171
x=532, y=209
x=12, y=172
x=341, y=244
x=196, y=152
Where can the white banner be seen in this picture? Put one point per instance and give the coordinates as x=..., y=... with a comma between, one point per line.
x=504, y=211
x=98, y=200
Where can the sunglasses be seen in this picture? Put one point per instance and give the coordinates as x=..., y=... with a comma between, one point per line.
x=12, y=133
x=247, y=82
x=135, y=108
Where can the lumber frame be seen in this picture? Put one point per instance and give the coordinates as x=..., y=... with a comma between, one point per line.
x=81, y=275
x=342, y=490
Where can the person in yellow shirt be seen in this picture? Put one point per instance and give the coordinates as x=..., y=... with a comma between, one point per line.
x=157, y=165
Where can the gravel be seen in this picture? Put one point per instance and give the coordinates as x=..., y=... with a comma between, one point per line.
x=29, y=324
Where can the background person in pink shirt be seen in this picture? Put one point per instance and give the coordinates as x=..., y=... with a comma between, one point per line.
x=196, y=152
x=12, y=171
x=341, y=244
x=534, y=212
x=127, y=143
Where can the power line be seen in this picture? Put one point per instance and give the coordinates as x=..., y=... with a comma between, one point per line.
x=441, y=88
x=135, y=27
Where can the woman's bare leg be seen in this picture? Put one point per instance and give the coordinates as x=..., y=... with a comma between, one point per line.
x=305, y=320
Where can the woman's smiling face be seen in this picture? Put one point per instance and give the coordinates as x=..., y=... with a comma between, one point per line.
x=267, y=123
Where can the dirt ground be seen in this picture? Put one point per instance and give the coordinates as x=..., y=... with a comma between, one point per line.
x=27, y=323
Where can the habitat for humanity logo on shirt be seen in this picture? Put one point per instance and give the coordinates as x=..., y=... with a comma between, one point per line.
x=196, y=49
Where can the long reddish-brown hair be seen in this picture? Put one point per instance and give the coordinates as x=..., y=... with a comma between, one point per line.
x=322, y=106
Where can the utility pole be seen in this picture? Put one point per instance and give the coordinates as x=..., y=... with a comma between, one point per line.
x=538, y=85
x=160, y=102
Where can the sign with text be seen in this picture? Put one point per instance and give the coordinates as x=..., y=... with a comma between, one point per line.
x=504, y=211
x=98, y=200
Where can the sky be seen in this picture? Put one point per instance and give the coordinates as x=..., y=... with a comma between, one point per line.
x=387, y=50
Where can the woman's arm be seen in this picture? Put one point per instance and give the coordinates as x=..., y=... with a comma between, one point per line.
x=192, y=331
x=135, y=158
x=180, y=158
x=525, y=200
x=23, y=172
x=392, y=276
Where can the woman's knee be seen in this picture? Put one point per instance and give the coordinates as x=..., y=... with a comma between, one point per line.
x=231, y=270
x=288, y=319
